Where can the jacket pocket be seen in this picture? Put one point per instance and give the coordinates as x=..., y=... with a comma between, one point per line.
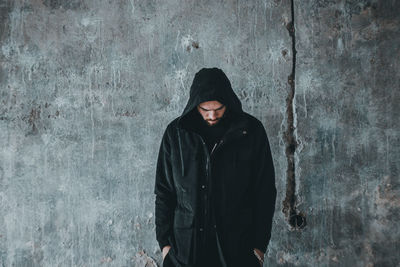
x=183, y=235
x=183, y=219
x=245, y=222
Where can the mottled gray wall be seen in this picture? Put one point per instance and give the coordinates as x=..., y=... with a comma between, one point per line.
x=347, y=103
x=88, y=87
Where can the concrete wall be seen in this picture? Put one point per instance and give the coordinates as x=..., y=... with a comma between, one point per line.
x=88, y=87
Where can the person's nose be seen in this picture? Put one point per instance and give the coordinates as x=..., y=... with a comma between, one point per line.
x=213, y=115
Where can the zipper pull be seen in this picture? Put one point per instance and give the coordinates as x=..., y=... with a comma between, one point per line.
x=212, y=150
x=216, y=145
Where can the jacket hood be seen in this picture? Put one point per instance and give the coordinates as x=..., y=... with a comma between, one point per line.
x=211, y=84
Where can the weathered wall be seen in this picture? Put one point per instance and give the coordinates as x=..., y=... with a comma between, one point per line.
x=347, y=102
x=87, y=88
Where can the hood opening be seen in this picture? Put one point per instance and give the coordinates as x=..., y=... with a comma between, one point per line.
x=210, y=84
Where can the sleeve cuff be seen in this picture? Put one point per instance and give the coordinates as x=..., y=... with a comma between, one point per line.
x=163, y=243
x=261, y=245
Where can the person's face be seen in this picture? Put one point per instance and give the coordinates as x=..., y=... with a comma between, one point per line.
x=211, y=111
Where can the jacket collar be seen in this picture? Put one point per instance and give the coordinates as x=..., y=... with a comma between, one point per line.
x=238, y=128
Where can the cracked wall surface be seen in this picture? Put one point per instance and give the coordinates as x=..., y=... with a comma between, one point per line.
x=87, y=88
x=347, y=108
x=296, y=219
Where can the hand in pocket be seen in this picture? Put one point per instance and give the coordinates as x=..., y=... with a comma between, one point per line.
x=259, y=256
x=165, y=251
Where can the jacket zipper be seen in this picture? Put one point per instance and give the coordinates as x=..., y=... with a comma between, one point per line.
x=208, y=173
x=216, y=146
x=213, y=148
x=209, y=182
x=205, y=198
x=209, y=154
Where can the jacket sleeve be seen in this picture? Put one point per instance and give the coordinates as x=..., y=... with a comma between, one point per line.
x=165, y=193
x=264, y=193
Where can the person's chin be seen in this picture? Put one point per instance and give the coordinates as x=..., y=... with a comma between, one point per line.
x=212, y=123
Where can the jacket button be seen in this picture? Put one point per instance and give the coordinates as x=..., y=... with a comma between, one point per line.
x=244, y=132
x=203, y=186
x=201, y=229
x=215, y=226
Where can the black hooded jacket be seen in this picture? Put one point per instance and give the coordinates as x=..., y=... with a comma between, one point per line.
x=236, y=179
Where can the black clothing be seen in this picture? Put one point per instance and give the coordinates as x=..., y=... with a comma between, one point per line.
x=236, y=180
x=208, y=247
x=211, y=134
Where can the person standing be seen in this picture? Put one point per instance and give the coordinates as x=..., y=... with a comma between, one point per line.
x=215, y=181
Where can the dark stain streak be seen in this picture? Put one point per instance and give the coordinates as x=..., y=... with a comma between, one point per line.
x=5, y=9
x=33, y=117
x=295, y=219
x=126, y=114
x=195, y=45
x=55, y=115
x=55, y=4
